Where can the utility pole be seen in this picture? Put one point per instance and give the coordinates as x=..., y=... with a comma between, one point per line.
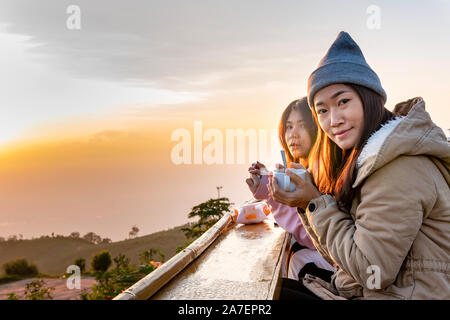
x=218, y=191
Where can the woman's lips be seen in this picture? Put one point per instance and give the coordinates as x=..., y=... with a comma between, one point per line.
x=342, y=133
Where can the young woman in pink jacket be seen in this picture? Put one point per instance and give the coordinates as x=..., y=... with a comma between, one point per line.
x=297, y=133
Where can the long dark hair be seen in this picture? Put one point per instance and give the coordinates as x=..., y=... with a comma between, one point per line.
x=308, y=121
x=333, y=168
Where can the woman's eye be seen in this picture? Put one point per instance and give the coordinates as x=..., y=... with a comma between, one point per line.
x=321, y=111
x=343, y=101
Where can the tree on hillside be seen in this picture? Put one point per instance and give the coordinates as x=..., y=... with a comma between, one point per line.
x=134, y=232
x=74, y=235
x=12, y=238
x=208, y=213
x=92, y=238
x=106, y=240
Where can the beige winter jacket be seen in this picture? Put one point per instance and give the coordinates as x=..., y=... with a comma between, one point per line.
x=395, y=242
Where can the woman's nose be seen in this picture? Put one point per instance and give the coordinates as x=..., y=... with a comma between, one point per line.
x=294, y=133
x=336, y=118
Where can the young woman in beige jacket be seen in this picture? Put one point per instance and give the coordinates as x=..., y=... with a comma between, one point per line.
x=379, y=211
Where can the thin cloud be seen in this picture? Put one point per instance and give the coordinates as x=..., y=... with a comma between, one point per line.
x=5, y=224
x=177, y=45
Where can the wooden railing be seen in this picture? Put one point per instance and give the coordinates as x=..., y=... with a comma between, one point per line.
x=229, y=261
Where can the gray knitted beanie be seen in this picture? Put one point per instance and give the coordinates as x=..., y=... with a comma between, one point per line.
x=343, y=63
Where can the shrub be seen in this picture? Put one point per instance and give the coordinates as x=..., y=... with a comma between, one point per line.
x=101, y=261
x=147, y=255
x=12, y=296
x=35, y=290
x=20, y=267
x=121, y=261
x=81, y=263
x=111, y=283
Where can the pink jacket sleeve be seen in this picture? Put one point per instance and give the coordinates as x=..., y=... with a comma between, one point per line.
x=285, y=216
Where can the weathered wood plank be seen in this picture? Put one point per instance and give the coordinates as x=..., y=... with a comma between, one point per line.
x=244, y=262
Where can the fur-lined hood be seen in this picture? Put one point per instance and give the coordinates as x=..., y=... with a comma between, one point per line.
x=410, y=133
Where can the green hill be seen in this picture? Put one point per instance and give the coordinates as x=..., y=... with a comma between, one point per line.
x=53, y=255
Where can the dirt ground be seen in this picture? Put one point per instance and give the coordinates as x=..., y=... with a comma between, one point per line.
x=61, y=291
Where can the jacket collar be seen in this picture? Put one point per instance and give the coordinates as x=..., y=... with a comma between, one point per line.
x=376, y=140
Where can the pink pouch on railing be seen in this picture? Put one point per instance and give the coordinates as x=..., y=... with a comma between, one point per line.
x=251, y=213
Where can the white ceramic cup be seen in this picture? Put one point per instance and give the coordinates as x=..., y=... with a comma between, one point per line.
x=284, y=181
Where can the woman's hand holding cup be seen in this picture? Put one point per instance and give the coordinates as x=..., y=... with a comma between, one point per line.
x=300, y=197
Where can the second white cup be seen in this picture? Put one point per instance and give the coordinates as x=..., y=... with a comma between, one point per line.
x=285, y=181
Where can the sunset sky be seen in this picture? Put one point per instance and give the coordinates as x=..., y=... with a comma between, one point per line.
x=86, y=116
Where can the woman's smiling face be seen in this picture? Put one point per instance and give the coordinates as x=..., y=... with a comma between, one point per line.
x=340, y=113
